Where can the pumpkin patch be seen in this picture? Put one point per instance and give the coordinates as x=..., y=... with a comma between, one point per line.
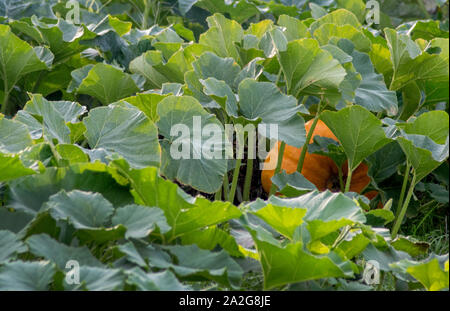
x=134, y=137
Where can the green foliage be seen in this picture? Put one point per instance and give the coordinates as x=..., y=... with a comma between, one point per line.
x=87, y=171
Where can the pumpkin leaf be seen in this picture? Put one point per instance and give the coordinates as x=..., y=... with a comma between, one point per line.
x=309, y=70
x=194, y=165
x=107, y=83
x=362, y=136
x=264, y=101
x=426, y=142
x=18, y=58
x=11, y=167
x=26, y=276
x=127, y=132
x=222, y=36
x=292, y=185
x=10, y=143
x=164, y=280
x=140, y=221
x=10, y=246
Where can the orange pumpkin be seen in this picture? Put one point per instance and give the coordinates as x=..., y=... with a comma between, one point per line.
x=318, y=169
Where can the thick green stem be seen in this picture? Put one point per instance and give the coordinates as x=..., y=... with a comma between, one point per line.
x=341, y=178
x=400, y=217
x=248, y=179
x=235, y=180
x=226, y=186
x=278, y=168
x=405, y=183
x=57, y=156
x=5, y=98
x=218, y=195
x=145, y=15
x=301, y=160
x=349, y=178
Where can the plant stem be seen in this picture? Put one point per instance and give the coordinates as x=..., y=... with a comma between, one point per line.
x=218, y=195
x=405, y=183
x=248, y=180
x=57, y=156
x=145, y=15
x=341, y=178
x=349, y=178
x=6, y=97
x=301, y=160
x=278, y=77
x=278, y=168
x=235, y=180
x=400, y=217
x=341, y=236
x=226, y=186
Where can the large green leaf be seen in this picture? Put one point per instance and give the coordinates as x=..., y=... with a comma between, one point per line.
x=295, y=29
x=158, y=70
x=222, y=36
x=308, y=70
x=127, y=132
x=16, y=9
x=372, y=92
x=239, y=11
x=165, y=280
x=30, y=192
x=183, y=213
x=107, y=83
x=194, y=262
x=140, y=221
x=63, y=38
x=209, y=65
x=147, y=103
x=11, y=167
x=51, y=118
x=10, y=245
x=362, y=135
x=212, y=237
x=264, y=101
x=292, y=185
x=283, y=219
x=98, y=279
x=222, y=94
x=17, y=58
x=426, y=142
x=326, y=211
x=196, y=164
x=429, y=273
x=357, y=7
x=14, y=136
x=427, y=30
x=84, y=210
x=338, y=17
x=292, y=263
x=411, y=64
x=44, y=246
x=26, y=276
x=328, y=33
x=384, y=162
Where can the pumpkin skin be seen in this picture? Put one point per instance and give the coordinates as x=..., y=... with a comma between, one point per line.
x=318, y=169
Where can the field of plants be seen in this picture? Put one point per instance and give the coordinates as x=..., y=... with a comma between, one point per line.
x=118, y=170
